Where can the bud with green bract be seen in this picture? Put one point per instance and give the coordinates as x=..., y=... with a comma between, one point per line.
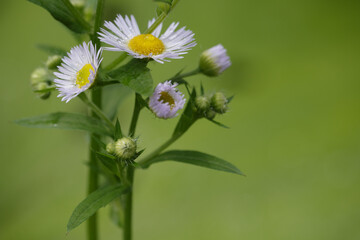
x=40, y=87
x=38, y=75
x=125, y=148
x=202, y=103
x=214, y=61
x=219, y=103
x=53, y=61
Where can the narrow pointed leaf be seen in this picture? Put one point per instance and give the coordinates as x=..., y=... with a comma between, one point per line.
x=66, y=13
x=109, y=162
x=202, y=91
x=188, y=117
x=93, y=202
x=62, y=120
x=218, y=123
x=135, y=75
x=118, y=133
x=196, y=158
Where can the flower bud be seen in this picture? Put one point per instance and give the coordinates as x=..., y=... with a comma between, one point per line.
x=219, y=102
x=38, y=75
x=125, y=148
x=214, y=61
x=210, y=114
x=42, y=86
x=79, y=4
x=110, y=147
x=53, y=61
x=202, y=103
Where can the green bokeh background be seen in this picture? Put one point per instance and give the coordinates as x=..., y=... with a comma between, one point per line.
x=294, y=128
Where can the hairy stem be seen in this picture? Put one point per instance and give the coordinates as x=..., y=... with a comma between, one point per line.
x=93, y=179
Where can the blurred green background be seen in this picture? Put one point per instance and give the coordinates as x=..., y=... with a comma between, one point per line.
x=294, y=128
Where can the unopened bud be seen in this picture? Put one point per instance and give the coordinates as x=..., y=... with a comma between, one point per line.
x=219, y=102
x=110, y=147
x=38, y=75
x=202, y=103
x=53, y=61
x=79, y=4
x=125, y=148
x=42, y=86
x=214, y=61
x=210, y=114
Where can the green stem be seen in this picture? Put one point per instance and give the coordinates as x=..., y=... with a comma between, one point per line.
x=157, y=151
x=188, y=74
x=93, y=181
x=127, y=232
x=116, y=61
x=96, y=109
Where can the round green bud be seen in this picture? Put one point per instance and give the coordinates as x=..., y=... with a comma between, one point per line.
x=79, y=4
x=125, y=148
x=110, y=147
x=210, y=114
x=219, y=102
x=38, y=75
x=202, y=103
x=42, y=86
x=53, y=61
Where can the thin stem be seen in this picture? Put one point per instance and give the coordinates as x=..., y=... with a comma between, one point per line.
x=157, y=151
x=93, y=181
x=127, y=232
x=135, y=117
x=188, y=74
x=97, y=23
x=116, y=61
x=96, y=109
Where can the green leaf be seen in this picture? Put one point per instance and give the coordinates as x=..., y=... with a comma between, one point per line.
x=109, y=162
x=93, y=202
x=113, y=95
x=117, y=213
x=196, y=158
x=62, y=120
x=164, y=1
x=118, y=134
x=202, y=91
x=218, y=123
x=187, y=118
x=135, y=75
x=51, y=49
x=229, y=99
x=66, y=13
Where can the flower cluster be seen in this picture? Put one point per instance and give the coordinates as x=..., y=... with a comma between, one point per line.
x=78, y=70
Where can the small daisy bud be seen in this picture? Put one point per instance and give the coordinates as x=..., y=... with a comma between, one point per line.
x=125, y=148
x=202, y=103
x=214, y=61
x=219, y=102
x=210, y=114
x=110, y=147
x=42, y=86
x=38, y=75
x=53, y=61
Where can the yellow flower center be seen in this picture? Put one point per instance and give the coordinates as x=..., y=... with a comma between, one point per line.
x=146, y=44
x=82, y=76
x=165, y=97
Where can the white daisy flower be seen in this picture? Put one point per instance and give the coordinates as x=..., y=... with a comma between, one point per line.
x=214, y=61
x=166, y=100
x=77, y=71
x=124, y=35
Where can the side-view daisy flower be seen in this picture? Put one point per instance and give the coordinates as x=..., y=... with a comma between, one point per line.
x=214, y=61
x=166, y=100
x=77, y=71
x=124, y=35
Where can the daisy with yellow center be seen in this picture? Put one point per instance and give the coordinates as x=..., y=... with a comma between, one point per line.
x=124, y=35
x=77, y=71
x=166, y=100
